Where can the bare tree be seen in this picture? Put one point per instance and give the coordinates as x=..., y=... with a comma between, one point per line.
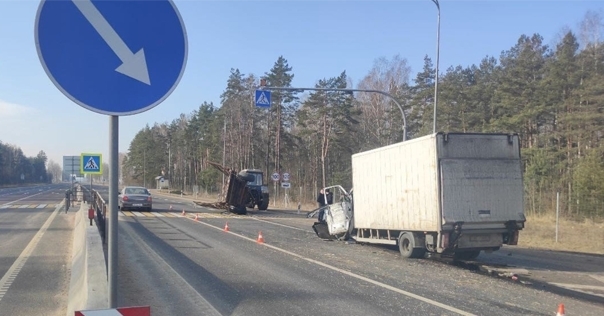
x=55, y=170
x=380, y=121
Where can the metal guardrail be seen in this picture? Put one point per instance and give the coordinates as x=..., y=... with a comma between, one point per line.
x=99, y=205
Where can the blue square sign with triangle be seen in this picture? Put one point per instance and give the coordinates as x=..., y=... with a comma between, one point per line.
x=263, y=98
x=91, y=163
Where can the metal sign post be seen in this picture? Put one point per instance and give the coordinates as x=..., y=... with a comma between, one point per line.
x=91, y=164
x=112, y=58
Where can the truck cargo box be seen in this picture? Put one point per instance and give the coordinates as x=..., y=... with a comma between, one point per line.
x=433, y=182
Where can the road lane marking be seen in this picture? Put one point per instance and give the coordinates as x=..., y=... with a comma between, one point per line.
x=204, y=307
x=138, y=214
x=17, y=206
x=16, y=267
x=360, y=277
x=157, y=214
x=598, y=277
x=587, y=289
x=11, y=202
x=278, y=224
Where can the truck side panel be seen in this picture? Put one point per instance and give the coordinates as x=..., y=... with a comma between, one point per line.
x=396, y=187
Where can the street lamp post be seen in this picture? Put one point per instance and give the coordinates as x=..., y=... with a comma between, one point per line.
x=437, y=60
x=144, y=168
x=223, y=154
x=348, y=91
x=169, y=165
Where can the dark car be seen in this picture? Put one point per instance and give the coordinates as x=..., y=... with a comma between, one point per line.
x=132, y=197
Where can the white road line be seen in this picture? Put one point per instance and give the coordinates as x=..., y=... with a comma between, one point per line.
x=205, y=307
x=24, y=206
x=5, y=206
x=598, y=277
x=11, y=202
x=14, y=269
x=588, y=289
x=291, y=227
x=41, y=206
x=138, y=214
x=360, y=277
x=157, y=214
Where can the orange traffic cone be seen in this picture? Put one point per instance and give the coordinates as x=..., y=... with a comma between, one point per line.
x=226, y=227
x=560, y=310
x=183, y=212
x=260, y=239
x=195, y=216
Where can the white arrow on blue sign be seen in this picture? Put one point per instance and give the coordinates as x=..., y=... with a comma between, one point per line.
x=112, y=57
x=263, y=98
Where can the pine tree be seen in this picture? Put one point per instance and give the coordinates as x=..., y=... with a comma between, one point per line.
x=283, y=107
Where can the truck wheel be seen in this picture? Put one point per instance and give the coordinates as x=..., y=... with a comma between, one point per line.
x=263, y=205
x=406, y=246
x=241, y=210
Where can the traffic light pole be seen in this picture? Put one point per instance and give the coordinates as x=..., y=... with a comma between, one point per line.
x=350, y=91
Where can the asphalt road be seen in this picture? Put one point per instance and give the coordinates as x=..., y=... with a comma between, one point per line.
x=186, y=266
x=35, y=251
x=180, y=265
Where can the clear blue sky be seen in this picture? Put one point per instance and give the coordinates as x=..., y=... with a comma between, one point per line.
x=318, y=38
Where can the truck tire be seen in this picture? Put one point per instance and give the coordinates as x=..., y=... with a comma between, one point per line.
x=241, y=210
x=263, y=206
x=407, y=247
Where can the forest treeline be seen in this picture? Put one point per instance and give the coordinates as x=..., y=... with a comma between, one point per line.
x=17, y=169
x=552, y=96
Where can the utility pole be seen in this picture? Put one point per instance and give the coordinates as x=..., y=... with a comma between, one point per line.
x=144, y=168
x=169, y=165
x=72, y=174
x=223, y=152
x=437, y=57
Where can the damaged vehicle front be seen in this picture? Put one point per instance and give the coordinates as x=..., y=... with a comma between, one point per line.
x=335, y=219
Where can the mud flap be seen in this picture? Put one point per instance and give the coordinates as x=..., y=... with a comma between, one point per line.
x=322, y=231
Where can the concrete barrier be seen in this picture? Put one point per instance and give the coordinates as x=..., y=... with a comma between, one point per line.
x=88, y=288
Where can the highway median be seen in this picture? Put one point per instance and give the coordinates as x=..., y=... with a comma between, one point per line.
x=88, y=286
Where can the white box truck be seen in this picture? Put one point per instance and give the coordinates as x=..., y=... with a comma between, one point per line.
x=450, y=193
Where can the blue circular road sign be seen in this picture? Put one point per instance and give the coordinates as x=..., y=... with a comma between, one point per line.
x=112, y=57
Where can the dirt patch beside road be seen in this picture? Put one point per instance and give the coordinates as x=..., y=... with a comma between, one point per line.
x=540, y=232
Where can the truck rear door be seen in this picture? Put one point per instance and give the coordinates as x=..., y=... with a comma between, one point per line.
x=482, y=193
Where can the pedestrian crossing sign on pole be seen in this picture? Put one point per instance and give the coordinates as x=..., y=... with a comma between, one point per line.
x=91, y=163
x=263, y=98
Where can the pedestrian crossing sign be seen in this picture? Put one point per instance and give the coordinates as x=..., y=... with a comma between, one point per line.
x=91, y=163
x=263, y=98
